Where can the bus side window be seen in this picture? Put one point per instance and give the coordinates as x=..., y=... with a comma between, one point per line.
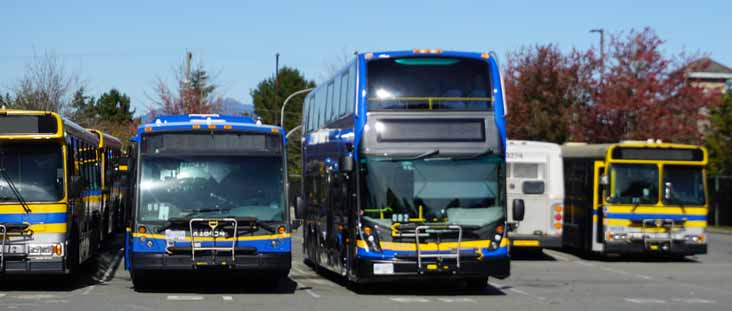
x=336, y=100
x=352, y=97
x=344, y=95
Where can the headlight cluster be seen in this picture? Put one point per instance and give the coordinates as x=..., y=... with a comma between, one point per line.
x=497, y=237
x=371, y=237
x=695, y=238
x=56, y=249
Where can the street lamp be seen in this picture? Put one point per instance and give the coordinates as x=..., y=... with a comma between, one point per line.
x=602, y=45
x=284, y=104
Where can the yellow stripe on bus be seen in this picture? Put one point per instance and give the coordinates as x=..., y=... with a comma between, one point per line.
x=48, y=228
x=35, y=208
x=667, y=210
x=444, y=246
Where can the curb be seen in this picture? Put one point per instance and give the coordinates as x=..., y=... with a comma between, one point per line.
x=719, y=230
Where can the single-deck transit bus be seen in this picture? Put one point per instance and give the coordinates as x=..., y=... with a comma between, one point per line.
x=49, y=193
x=404, y=169
x=635, y=197
x=535, y=175
x=209, y=194
x=110, y=151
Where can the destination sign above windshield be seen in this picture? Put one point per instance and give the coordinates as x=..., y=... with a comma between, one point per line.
x=28, y=124
x=211, y=143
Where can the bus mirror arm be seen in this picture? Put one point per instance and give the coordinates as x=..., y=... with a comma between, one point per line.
x=518, y=209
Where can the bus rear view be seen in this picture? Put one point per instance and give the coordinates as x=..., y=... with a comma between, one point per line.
x=209, y=195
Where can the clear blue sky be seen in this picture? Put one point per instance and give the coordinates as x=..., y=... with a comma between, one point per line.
x=129, y=44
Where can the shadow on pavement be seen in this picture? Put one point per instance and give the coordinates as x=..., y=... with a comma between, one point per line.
x=641, y=258
x=216, y=282
x=411, y=288
x=96, y=270
x=530, y=254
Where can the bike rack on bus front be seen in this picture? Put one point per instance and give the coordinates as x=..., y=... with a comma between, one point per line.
x=668, y=223
x=438, y=255
x=20, y=229
x=214, y=223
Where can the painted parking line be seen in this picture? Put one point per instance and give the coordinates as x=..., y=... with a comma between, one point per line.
x=88, y=290
x=2, y=295
x=515, y=290
x=694, y=300
x=227, y=298
x=456, y=300
x=185, y=298
x=409, y=299
x=645, y=300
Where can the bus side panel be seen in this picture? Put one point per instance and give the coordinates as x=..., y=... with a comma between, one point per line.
x=578, y=180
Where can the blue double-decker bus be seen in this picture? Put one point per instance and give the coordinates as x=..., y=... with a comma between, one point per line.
x=209, y=194
x=404, y=169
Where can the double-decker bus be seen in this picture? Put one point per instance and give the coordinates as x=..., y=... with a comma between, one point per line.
x=49, y=185
x=109, y=153
x=209, y=193
x=535, y=175
x=635, y=197
x=404, y=169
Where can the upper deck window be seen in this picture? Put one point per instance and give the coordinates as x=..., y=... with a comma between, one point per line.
x=428, y=83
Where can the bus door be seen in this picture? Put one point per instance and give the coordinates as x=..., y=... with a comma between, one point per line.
x=527, y=182
x=600, y=190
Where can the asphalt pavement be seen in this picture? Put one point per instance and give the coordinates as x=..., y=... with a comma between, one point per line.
x=552, y=280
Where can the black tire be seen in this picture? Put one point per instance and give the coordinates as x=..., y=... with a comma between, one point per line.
x=476, y=283
x=140, y=280
x=72, y=251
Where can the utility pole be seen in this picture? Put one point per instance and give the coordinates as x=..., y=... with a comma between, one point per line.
x=276, y=82
x=601, y=31
x=189, y=56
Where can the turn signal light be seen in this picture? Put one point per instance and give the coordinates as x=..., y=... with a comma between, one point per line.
x=281, y=229
x=57, y=250
x=557, y=225
x=142, y=229
x=367, y=230
x=499, y=229
x=558, y=208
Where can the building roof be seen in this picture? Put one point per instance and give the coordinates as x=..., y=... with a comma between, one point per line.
x=707, y=68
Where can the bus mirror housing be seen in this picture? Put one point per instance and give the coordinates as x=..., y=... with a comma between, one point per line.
x=75, y=187
x=299, y=207
x=518, y=209
x=347, y=163
x=604, y=181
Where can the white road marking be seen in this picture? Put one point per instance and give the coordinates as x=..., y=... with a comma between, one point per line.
x=36, y=296
x=228, y=298
x=321, y=282
x=2, y=295
x=621, y=272
x=298, y=270
x=409, y=299
x=111, y=267
x=693, y=300
x=451, y=300
x=88, y=290
x=645, y=300
x=185, y=298
x=312, y=293
x=515, y=290
x=556, y=255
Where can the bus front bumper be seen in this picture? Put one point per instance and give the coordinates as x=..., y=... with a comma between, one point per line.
x=184, y=262
x=373, y=270
x=24, y=265
x=535, y=241
x=674, y=248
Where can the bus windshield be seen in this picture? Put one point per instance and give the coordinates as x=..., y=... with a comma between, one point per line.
x=428, y=83
x=633, y=184
x=445, y=190
x=35, y=169
x=211, y=186
x=687, y=185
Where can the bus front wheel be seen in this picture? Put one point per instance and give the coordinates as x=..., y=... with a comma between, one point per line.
x=476, y=283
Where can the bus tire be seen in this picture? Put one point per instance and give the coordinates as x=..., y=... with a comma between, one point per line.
x=140, y=280
x=72, y=251
x=476, y=283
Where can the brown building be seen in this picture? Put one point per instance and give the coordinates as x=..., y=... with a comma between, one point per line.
x=710, y=75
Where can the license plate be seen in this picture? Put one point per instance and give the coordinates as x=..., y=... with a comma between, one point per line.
x=533, y=243
x=383, y=268
x=175, y=235
x=14, y=249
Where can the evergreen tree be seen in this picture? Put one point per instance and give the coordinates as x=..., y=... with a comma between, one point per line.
x=114, y=107
x=719, y=137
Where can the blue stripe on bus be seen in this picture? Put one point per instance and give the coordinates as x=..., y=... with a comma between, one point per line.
x=91, y=193
x=391, y=254
x=33, y=218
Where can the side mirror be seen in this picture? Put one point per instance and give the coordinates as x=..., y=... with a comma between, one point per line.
x=75, y=187
x=518, y=209
x=347, y=163
x=604, y=181
x=667, y=191
x=299, y=207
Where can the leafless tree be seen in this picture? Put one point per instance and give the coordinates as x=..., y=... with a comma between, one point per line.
x=45, y=85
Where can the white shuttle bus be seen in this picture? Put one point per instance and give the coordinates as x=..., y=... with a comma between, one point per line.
x=534, y=174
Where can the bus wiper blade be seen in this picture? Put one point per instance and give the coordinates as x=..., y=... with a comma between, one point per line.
x=172, y=223
x=15, y=191
x=252, y=221
x=418, y=157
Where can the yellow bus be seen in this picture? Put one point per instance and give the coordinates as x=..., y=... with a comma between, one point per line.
x=635, y=197
x=49, y=186
x=109, y=153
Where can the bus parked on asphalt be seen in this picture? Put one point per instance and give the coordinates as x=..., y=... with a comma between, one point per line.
x=404, y=169
x=535, y=175
x=209, y=193
x=635, y=197
x=109, y=153
x=49, y=193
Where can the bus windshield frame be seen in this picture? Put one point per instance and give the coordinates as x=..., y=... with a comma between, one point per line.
x=428, y=83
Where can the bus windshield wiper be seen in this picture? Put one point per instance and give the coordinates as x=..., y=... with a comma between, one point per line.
x=15, y=191
x=417, y=157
